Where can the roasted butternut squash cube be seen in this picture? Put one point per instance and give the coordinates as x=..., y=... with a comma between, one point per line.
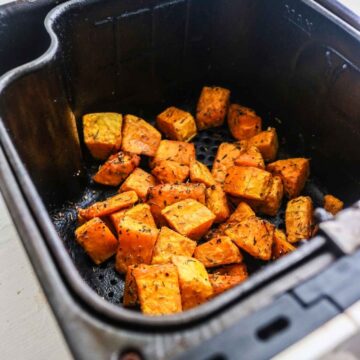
x=139, y=181
x=171, y=243
x=189, y=217
x=140, y=212
x=176, y=124
x=158, y=289
x=116, y=169
x=161, y=196
x=178, y=151
x=242, y=212
x=253, y=235
x=267, y=142
x=110, y=205
x=233, y=270
x=332, y=204
x=102, y=133
x=247, y=182
x=293, y=172
x=222, y=283
x=243, y=122
x=212, y=107
x=170, y=172
x=225, y=158
x=199, y=173
x=216, y=202
x=218, y=251
x=97, y=240
x=194, y=281
x=250, y=156
x=130, y=291
x=280, y=245
x=299, y=219
x=136, y=243
x=139, y=137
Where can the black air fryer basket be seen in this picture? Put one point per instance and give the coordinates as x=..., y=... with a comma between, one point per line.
x=296, y=62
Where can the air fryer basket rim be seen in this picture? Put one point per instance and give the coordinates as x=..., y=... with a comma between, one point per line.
x=73, y=278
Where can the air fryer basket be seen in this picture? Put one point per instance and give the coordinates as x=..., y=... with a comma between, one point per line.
x=292, y=61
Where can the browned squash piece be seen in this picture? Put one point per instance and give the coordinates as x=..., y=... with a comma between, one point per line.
x=158, y=289
x=102, y=133
x=136, y=243
x=293, y=172
x=216, y=201
x=253, y=235
x=280, y=245
x=97, y=240
x=178, y=151
x=212, y=107
x=176, y=124
x=189, y=217
x=161, y=196
x=170, y=172
x=233, y=270
x=250, y=156
x=267, y=142
x=242, y=212
x=299, y=219
x=139, y=137
x=194, y=281
x=130, y=290
x=171, y=243
x=243, y=122
x=116, y=168
x=110, y=205
x=225, y=158
x=222, y=283
x=199, y=173
x=140, y=212
x=140, y=181
x=247, y=182
x=332, y=204
x=218, y=251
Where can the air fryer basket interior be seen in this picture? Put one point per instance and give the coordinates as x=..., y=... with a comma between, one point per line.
x=138, y=56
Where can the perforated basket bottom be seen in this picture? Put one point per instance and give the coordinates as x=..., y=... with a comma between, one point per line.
x=105, y=281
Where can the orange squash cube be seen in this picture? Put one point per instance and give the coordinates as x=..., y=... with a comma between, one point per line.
x=130, y=291
x=139, y=137
x=97, y=240
x=299, y=219
x=116, y=169
x=140, y=212
x=243, y=122
x=199, y=173
x=332, y=204
x=170, y=172
x=253, y=235
x=171, y=243
x=225, y=158
x=212, y=107
x=102, y=133
x=242, y=212
x=247, y=182
x=281, y=246
x=176, y=124
x=189, y=217
x=158, y=289
x=216, y=202
x=194, y=281
x=250, y=156
x=267, y=142
x=139, y=181
x=293, y=172
x=222, y=283
x=178, y=151
x=136, y=243
x=218, y=251
x=233, y=270
x=161, y=196
x=110, y=205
